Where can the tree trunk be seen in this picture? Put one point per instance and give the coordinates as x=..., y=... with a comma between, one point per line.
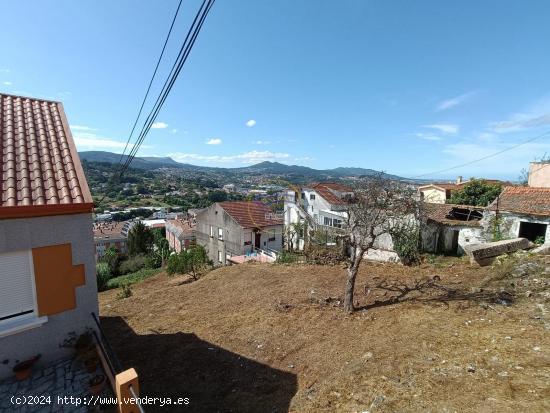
x=355, y=260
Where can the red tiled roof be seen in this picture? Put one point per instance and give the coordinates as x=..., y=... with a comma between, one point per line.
x=41, y=172
x=251, y=214
x=324, y=189
x=108, y=229
x=523, y=200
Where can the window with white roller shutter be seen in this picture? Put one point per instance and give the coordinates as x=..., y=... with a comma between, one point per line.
x=17, y=291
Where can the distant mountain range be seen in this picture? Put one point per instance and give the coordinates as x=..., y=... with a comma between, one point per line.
x=275, y=168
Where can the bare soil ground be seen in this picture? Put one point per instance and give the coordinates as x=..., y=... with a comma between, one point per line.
x=274, y=338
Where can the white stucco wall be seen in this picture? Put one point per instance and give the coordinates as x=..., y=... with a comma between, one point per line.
x=28, y=233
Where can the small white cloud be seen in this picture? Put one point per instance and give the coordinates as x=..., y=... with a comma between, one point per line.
x=250, y=123
x=5, y=70
x=159, y=125
x=82, y=128
x=521, y=121
x=452, y=102
x=427, y=136
x=304, y=159
x=7, y=83
x=444, y=128
x=247, y=157
x=174, y=130
x=261, y=142
x=214, y=141
x=87, y=140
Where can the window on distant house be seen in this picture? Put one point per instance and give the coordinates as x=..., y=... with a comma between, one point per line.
x=311, y=197
x=211, y=231
x=272, y=235
x=220, y=234
x=337, y=223
x=303, y=195
x=17, y=291
x=327, y=221
x=220, y=256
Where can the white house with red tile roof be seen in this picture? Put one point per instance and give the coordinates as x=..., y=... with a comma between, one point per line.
x=319, y=205
x=239, y=228
x=47, y=268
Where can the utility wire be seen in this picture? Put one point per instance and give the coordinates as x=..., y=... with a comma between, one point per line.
x=174, y=72
x=185, y=50
x=151, y=82
x=484, y=157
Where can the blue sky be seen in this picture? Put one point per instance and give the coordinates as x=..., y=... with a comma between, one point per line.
x=401, y=86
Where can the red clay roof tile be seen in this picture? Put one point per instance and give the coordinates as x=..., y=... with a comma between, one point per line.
x=523, y=200
x=39, y=162
x=250, y=214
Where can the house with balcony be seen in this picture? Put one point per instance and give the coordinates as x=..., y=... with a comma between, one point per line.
x=320, y=206
x=109, y=235
x=47, y=267
x=234, y=231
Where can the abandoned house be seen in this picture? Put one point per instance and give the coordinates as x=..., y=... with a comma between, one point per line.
x=521, y=212
x=234, y=229
x=449, y=228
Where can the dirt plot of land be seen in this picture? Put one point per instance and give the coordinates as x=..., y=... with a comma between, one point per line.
x=274, y=338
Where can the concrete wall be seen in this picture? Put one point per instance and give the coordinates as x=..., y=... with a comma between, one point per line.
x=511, y=222
x=438, y=238
x=539, y=174
x=28, y=233
x=433, y=195
x=233, y=241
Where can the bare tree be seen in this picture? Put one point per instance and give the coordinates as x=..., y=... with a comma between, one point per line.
x=377, y=206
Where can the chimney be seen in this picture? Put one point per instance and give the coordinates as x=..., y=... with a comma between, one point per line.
x=458, y=180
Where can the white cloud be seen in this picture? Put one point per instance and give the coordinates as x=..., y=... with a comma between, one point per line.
x=304, y=159
x=444, y=128
x=247, y=157
x=455, y=101
x=7, y=83
x=86, y=140
x=521, y=121
x=159, y=125
x=250, y=123
x=214, y=141
x=261, y=142
x=82, y=128
x=174, y=130
x=428, y=136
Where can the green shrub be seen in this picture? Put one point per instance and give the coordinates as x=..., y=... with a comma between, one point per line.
x=103, y=275
x=285, y=257
x=125, y=292
x=193, y=260
x=406, y=242
x=132, y=278
x=132, y=264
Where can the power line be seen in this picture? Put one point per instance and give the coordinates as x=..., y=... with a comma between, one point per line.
x=185, y=50
x=174, y=72
x=484, y=157
x=151, y=82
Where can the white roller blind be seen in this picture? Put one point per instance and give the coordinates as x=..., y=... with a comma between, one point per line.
x=16, y=284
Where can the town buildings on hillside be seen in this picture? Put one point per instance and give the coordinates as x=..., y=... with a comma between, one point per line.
x=231, y=231
x=47, y=269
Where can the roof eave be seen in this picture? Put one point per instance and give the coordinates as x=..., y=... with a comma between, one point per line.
x=33, y=211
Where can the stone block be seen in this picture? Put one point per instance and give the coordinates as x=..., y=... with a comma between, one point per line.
x=484, y=254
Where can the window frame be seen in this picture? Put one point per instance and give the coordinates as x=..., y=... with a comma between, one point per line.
x=23, y=321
